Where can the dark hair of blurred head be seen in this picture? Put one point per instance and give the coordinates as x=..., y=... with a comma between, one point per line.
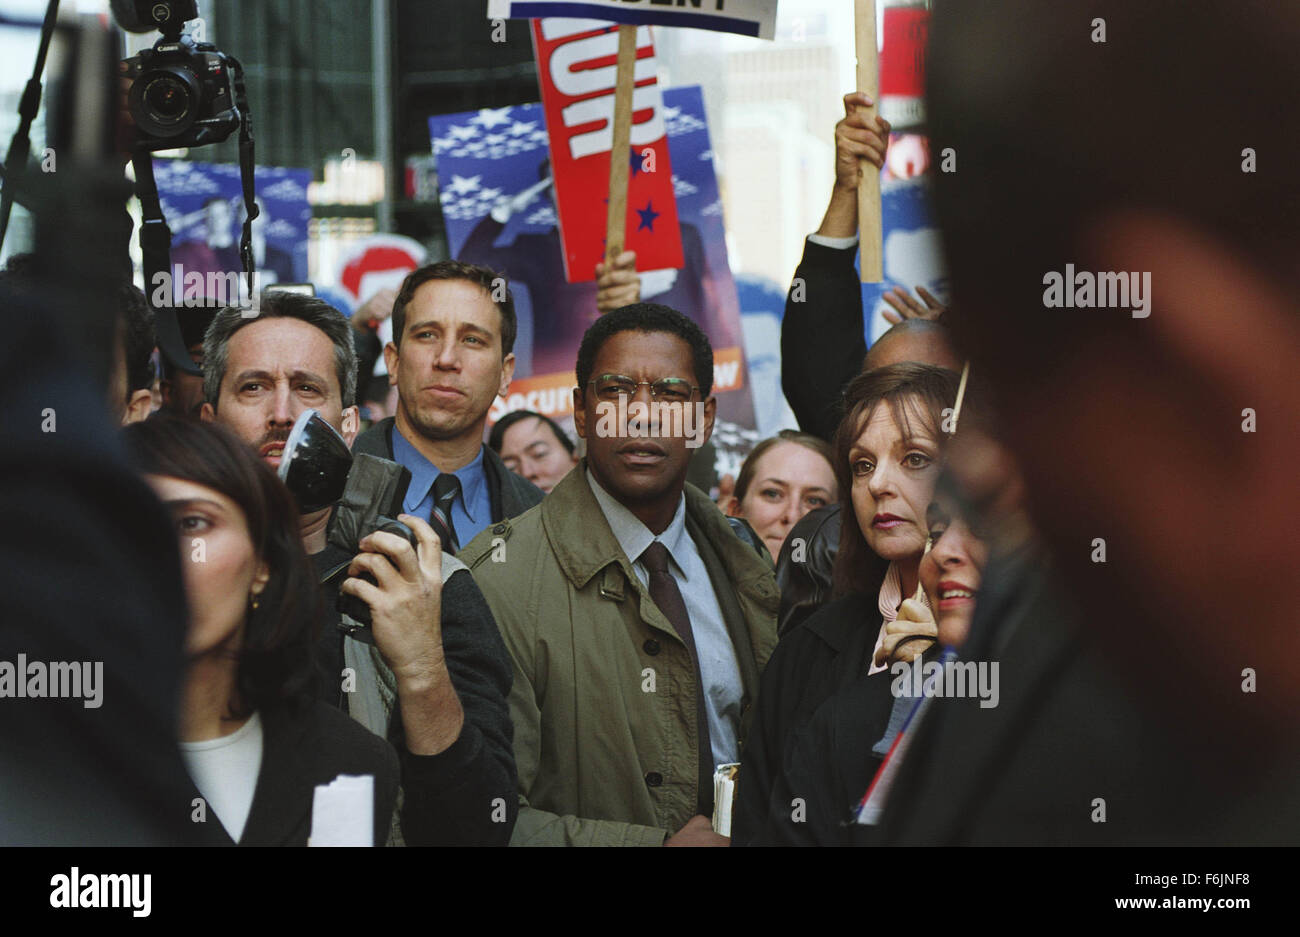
x=135, y=323
x=1056, y=133
x=276, y=661
x=1165, y=152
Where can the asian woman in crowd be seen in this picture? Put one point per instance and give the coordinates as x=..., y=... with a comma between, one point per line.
x=255, y=742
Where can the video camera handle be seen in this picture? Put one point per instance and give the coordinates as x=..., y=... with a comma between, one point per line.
x=156, y=236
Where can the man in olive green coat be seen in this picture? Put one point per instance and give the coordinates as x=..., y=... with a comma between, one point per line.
x=637, y=621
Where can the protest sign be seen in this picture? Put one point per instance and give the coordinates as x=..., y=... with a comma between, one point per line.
x=578, y=100
x=747, y=17
x=494, y=176
x=204, y=207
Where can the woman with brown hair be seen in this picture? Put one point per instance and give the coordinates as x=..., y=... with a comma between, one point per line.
x=782, y=479
x=888, y=453
x=254, y=740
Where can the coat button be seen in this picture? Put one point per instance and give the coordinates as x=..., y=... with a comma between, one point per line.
x=499, y=529
x=651, y=647
x=654, y=779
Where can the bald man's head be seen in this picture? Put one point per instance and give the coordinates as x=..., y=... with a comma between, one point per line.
x=914, y=340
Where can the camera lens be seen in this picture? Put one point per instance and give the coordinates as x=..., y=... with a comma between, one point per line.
x=165, y=101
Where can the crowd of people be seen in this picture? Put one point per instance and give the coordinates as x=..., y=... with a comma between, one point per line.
x=973, y=599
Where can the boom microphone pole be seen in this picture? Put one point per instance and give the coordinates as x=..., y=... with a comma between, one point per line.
x=20, y=147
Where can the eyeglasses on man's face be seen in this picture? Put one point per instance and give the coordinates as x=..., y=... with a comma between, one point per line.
x=612, y=387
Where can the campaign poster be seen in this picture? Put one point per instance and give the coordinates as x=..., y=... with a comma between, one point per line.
x=204, y=207
x=494, y=180
x=577, y=80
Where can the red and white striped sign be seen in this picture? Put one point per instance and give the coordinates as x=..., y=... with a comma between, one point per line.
x=576, y=72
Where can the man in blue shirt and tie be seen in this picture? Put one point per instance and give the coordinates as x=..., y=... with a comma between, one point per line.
x=453, y=331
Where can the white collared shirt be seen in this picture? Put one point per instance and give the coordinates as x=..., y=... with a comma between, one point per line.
x=719, y=668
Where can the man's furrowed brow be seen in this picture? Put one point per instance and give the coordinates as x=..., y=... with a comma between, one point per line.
x=310, y=377
x=296, y=377
x=254, y=374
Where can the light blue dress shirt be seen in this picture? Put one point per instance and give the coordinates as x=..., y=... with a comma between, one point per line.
x=719, y=669
x=472, y=509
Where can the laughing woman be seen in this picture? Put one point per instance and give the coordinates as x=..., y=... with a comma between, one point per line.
x=255, y=742
x=888, y=455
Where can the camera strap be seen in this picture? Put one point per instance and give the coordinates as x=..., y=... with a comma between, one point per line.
x=156, y=250
x=251, y=210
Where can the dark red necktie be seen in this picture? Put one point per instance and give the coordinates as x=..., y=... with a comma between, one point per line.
x=666, y=595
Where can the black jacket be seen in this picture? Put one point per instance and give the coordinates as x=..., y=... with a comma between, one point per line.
x=822, y=655
x=829, y=765
x=301, y=748
x=510, y=494
x=1067, y=733
x=823, y=337
x=805, y=578
x=448, y=798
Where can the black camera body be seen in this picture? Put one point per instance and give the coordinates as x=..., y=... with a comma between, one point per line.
x=374, y=490
x=363, y=490
x=183, y=94
x=356, y=620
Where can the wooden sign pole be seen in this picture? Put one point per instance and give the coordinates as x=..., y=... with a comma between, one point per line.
x=870, y=249
x=616, y=220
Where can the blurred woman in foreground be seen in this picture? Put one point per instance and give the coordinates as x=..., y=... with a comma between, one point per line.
x=255, y=742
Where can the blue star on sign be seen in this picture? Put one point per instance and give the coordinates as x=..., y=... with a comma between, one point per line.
x=648, y=216
x=634, y=163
